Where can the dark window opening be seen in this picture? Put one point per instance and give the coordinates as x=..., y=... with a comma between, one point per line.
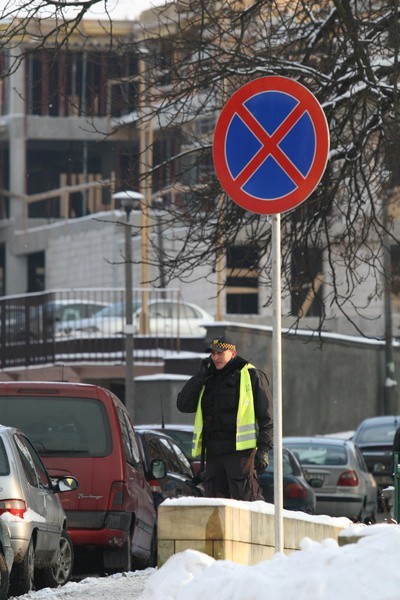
x=307, y=282
x=36, y=272
x=242, y=280
x=242, y=304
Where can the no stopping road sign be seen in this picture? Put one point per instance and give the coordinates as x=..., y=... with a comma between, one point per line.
x=271, y=145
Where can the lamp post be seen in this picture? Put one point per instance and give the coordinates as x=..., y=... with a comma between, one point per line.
x=127, y=200
x=146, y=137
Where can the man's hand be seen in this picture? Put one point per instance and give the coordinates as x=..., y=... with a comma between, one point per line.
x=207, y=368
x=261, y=461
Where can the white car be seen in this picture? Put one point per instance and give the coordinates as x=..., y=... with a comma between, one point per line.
x=165, y=317
x=72, y=309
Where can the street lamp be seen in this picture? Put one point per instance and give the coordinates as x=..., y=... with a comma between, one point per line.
x=127, y=200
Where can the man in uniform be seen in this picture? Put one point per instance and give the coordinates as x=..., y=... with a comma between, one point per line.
x=233, y=423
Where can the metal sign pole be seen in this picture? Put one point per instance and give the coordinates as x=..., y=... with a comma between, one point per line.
x=277, y=381
x=250, y=179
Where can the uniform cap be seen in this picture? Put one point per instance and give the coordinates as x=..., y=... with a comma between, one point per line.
x=221, y=344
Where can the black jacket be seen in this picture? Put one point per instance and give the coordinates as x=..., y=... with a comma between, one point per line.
x=220, y=404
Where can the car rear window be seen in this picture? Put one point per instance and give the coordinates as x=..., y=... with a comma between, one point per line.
x=4, y=464
x=184, y=438
x=287, y=467
x=59, y=426
x=378, y=434
x=320, y=454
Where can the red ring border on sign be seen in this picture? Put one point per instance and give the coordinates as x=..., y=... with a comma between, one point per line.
x=317, y=116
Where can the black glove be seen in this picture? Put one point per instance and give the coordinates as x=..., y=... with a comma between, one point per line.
x=261, y=461
x=207, y=368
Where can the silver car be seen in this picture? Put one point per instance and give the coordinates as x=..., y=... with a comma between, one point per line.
x=31, y=508
x=346, y=488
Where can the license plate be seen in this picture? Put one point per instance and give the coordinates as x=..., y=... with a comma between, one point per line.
x=320, y=476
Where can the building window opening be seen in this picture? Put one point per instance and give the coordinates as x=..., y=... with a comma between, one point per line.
x=307, y=282
x=36, y=272
x=242, y=268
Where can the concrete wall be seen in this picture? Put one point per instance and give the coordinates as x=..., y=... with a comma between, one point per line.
x=243, y=532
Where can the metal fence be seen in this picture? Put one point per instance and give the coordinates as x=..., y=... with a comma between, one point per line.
x=89, y=324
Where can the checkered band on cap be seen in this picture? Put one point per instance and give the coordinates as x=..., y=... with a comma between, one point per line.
x=221, y=344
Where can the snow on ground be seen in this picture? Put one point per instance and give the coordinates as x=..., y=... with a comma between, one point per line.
x=365, y=570
x=122, y=586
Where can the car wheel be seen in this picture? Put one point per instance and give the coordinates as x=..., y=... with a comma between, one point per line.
x=365, y=517
x=4, y=578
x=61, y=570
x=369, y=519
x=22, y=573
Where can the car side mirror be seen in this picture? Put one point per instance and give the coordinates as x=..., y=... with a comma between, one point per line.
x=65, y=484
x=158, y=468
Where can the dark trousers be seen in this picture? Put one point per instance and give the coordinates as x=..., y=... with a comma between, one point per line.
x=232, y=476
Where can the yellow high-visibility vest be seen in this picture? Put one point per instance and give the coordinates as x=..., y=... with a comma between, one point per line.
x=246, y=433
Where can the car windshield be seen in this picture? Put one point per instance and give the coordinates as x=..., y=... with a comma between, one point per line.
x=59, y=426
x=319, y=454
x=377, y=434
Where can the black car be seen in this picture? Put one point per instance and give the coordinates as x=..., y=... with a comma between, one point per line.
x=297, y=492
x=183, y=436
x=179, y=479
x=374, y=436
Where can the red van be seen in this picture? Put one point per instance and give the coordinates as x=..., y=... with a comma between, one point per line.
x=85, y=431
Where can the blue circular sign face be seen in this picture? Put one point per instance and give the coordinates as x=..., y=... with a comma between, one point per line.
x=271, y=145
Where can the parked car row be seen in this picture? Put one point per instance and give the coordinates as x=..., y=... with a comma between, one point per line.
x=369, y=453
x=77, y=441
x=298, y=493
x=80, y=433
x=320, y=475
x=37, y=318
x=85, y=431
x=165, y=317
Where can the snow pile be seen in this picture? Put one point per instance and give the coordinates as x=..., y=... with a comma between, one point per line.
x=320, y=571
